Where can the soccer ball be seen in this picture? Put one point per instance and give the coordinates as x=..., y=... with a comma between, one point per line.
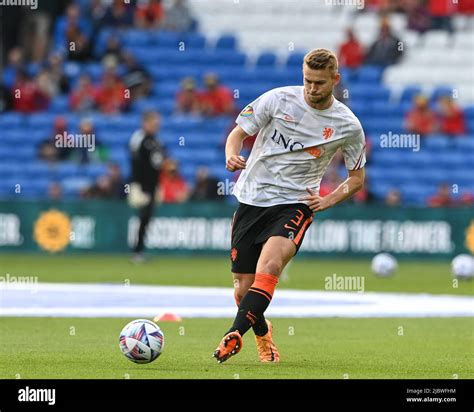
x=141, y=341
x=462, y=266
x=384, y=264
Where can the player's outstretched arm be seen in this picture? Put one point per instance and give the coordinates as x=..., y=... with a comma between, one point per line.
x=233, y=147
x=346, y=189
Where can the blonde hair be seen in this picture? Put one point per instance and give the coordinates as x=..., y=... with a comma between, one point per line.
x=320, y=59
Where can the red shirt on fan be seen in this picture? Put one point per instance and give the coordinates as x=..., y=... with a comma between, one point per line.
x=440, y=8
x=26, y=96
x=217, y=101
x=110, y=96
x=451, y=117
x=351, y=53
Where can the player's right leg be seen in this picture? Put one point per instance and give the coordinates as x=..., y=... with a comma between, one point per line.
x=242, y=283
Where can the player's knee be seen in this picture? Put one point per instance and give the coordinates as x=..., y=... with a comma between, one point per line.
x=239, y=294
x=240, y=289
x=271, y=265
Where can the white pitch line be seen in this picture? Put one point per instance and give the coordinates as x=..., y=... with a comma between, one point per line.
x=117, y=300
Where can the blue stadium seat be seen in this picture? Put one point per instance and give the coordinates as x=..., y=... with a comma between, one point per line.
x=59, y=104
x=94, y=170
x=441, y=91
x=369, y=74
x=470, y=125
x=11, y=119
x=295, y=59
x=369, y=91
x=226, y=42
x=195, y=41
x=167, y=39
x=464, y=143
x=39, y=169
x=266, y=60
x=409, y=93
x=436, y=142
x=44, y=120
x=469, y=112
x=137, y=38
x=166, y=90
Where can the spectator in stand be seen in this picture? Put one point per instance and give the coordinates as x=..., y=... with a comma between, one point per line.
x=56, y=72
x=5, y=99
x=393, y=198
x=217, y=99
x=15, y=63
x=172, y=187
x=108, y=186
x=421, y=119
x=187, y=99
x=97, y=153
x=149, y=14
x=83, y=97
x=73, y=33
x=451, y=117
x=205, y=186
x=117, y=180
x=55, y=191
x=443, y=198
x=101, y=189
x=386, y=50
x=46, y=86
x=118, y=15
x=351, y=52
x=418, y=18
x=441, y=12
x=113, y=49
x=110, y=96
x=136, y=78
x=178, y=17
x=27, y=97
x=466, y=7
x=95, y=13
x=49, y=150
x=71, y=20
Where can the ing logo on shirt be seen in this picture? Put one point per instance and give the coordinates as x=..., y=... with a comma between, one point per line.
x=247, y=112
x=328, y=132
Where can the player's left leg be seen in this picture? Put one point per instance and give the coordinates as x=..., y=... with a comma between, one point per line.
x=242, y=283
x=145, y=214
x=276, y=253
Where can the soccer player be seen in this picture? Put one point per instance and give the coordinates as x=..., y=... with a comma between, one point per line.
x=147, y=154
x=300, y=128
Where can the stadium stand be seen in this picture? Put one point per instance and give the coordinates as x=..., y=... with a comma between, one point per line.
x=250, y=62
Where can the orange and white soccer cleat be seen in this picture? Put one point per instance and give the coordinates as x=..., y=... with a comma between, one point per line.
x=267, y=350
x=230, y=345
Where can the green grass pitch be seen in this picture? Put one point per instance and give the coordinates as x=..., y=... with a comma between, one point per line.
x=309, y=348
x=332, y=348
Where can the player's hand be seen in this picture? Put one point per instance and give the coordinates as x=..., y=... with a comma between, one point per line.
x=315, y=202
x=235, y=162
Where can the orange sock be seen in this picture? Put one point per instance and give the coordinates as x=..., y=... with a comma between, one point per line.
x=264, y=284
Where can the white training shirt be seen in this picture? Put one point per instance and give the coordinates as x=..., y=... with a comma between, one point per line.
x=294, y=146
